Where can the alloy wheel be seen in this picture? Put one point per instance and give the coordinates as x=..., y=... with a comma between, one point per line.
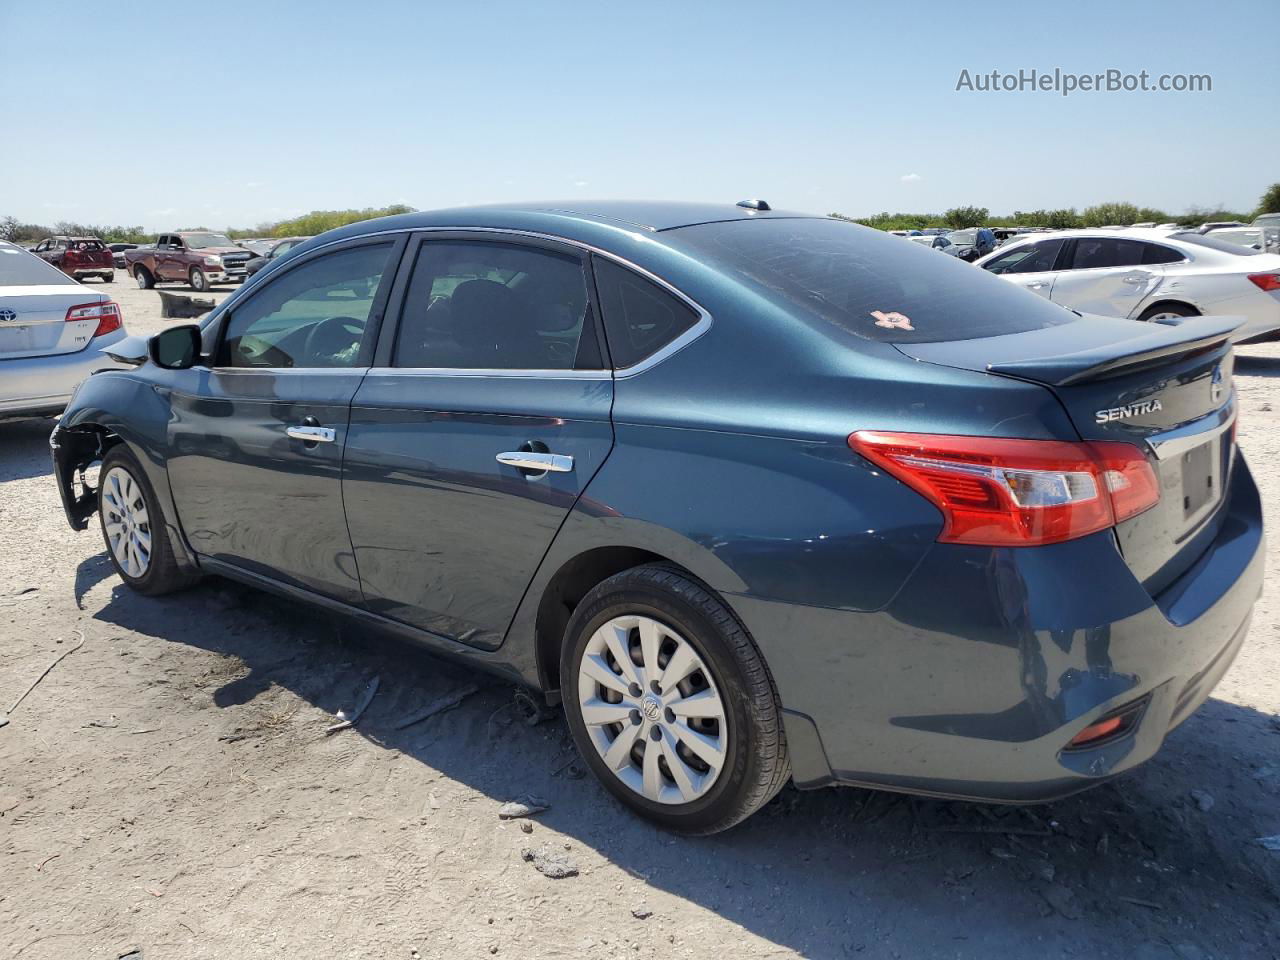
x=126, y=522
x=653, y=710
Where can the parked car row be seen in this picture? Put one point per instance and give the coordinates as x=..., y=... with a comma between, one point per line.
x=78, y=257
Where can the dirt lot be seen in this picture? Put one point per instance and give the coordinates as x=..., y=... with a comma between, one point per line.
x=169, y=787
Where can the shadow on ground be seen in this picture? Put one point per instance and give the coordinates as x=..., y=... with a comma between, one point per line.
x=1137, y=868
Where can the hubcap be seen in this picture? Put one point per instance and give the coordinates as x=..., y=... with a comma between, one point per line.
x=142, y=283
x=124, y=515
x=1165, y=316
x=652, y=710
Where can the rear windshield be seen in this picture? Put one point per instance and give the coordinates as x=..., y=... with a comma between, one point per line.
x=866, y=282
x=21, y=269
x=88, y=246
x=1210, y=241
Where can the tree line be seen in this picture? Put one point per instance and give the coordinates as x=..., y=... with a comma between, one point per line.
x=309, y=224
x=1101, y=215
x=957, y=218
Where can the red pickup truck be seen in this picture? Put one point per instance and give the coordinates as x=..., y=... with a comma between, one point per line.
x=195, y=257
x=78, y=257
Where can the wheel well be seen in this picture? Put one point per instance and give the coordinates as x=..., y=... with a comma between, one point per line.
x=140, y=268
x=82, y=446
x=565, y=591
x=1168, y=303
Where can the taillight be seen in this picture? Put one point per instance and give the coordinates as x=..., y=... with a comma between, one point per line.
x=107, y=314
x=1017, y=493
x=1266, y=281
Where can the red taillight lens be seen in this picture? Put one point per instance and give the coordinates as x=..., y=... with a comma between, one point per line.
x=107, y=314
x=1016, y=493
x=1266, y=281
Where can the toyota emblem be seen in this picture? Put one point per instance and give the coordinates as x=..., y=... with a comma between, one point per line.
x=7, y=316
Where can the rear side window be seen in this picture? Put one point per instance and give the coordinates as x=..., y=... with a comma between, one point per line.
x=492, y=306
x=1032, y=258
x=640, y=318
x=865, y=282
x=1155, y=253
x=1094, y=252
x=18, y=268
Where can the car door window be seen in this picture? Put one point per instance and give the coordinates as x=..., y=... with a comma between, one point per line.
x=474, y=304
x=1033, y=258
x=311, y=316
x=1153, y=253
x=640, y=318
x=1092, y=253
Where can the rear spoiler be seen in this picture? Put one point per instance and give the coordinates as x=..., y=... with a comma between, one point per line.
x=1152, y=343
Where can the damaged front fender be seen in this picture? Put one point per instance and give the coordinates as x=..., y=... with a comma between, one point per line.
x=73, y=452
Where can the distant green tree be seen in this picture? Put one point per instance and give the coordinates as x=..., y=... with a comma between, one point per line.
x=9, y=228
x=1151, y=215
x=1063, y=219
x=961, y=217
x=1110, y=214
x=1270, y=202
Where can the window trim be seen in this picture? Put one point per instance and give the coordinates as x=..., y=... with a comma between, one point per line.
x=387, y=336
x=1067, y=268
x=373, y=325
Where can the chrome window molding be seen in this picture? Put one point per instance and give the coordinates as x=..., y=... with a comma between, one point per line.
x=699, y=328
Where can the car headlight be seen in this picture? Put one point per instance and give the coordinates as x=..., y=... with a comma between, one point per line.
x=213, y=261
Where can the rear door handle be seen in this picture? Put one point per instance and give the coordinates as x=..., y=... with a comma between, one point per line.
x=528, y=460
x=313, y=434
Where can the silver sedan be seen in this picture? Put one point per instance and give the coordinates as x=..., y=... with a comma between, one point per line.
x=52, y=331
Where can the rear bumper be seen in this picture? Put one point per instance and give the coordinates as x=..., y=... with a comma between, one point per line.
x=975, y=677
x=93, y=271
x=33, y=386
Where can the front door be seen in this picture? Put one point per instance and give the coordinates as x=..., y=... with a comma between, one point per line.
x=1029, y=265
x=256, y=439
x=466, y=452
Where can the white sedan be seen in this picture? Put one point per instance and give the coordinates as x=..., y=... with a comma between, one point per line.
x=938, y=243
x=1147, y=275
x=52, y=331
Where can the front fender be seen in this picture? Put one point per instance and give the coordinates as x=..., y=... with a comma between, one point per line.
x=116, y=406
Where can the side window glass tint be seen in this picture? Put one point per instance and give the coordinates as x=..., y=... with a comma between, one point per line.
x=1033, y=258
x=311, y=316
x=476, y=305
x=1154, y=253
x=640, y=317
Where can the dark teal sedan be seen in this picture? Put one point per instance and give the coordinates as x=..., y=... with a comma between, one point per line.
x=758, y=496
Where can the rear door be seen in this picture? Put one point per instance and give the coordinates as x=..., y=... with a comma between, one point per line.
x=1030, y=266
x=470, y=444
x=1107, y=276
x=256, y=439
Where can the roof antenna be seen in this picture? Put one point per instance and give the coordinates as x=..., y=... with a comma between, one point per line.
x=755, y=204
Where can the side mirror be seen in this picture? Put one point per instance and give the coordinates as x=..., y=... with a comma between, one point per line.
x=177, y=348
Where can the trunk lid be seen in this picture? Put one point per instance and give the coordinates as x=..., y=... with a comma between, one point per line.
x=1165, y=387
x=87, y=254
x=33, y=320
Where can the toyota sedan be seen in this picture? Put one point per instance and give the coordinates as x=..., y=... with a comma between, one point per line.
x=756, y=496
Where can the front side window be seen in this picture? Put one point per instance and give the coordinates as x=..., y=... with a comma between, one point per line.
x=477, y=305
x=311, y=316
x=640, y=317
x=1031, y=258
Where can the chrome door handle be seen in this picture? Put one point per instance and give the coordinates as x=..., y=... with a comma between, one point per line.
x=1035, y=284
x=313, y=434
x=528, y=460
x=1136, y=279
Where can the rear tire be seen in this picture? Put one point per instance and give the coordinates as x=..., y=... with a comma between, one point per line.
x=133, y=527
x=199, y=282
x=144, y=278
x=109, y=278
x=1164, y=311
x=723, y=709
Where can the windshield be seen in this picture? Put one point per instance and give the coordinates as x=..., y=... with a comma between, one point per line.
x=21, y=269
x=963, y=236
x=865, y=282
x=198, y=241
x=1208, y=240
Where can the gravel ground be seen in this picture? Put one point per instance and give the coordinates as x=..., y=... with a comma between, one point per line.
x=169, y=787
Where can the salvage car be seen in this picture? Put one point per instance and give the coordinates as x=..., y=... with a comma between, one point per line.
x=52, y=333
x=78, y=257
x=757, y=496
x=277, y=250
x=195, y=257
x=1149, y=275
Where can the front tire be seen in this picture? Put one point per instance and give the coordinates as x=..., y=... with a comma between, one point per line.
x=143, y=277
x=199, y=282
x=133, y=527
x=670, y=702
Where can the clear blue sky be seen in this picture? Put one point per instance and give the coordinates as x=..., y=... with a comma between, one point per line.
x=171, y=113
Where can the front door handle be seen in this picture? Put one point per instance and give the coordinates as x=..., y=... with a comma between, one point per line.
x=1036, y=284
x=530, y=460
x=313, y=434
x=1138, y=279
